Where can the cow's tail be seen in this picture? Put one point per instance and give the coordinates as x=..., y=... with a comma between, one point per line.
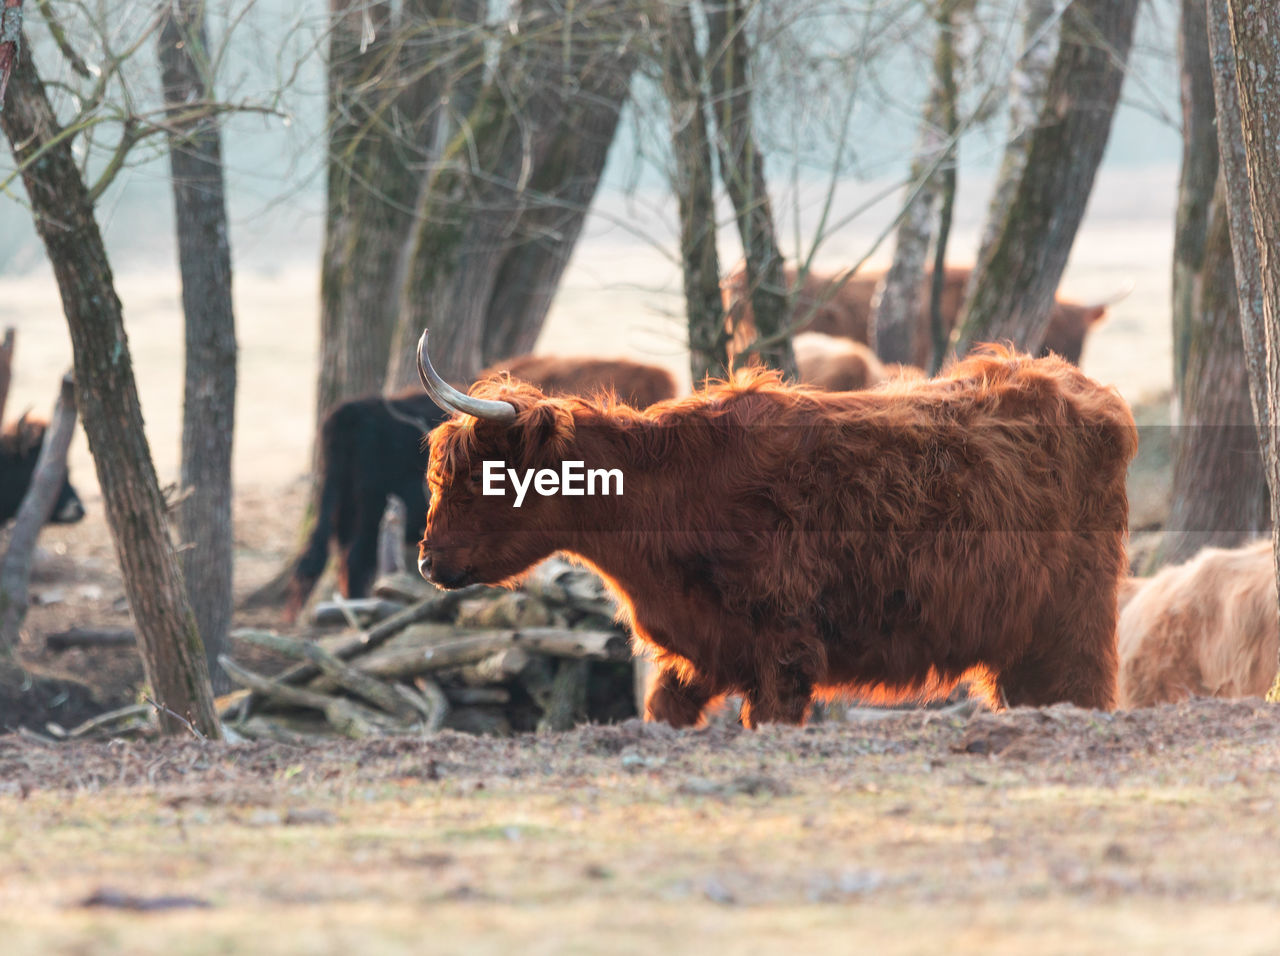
x=315, y=556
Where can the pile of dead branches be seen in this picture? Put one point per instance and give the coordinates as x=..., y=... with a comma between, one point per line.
x=415, y=659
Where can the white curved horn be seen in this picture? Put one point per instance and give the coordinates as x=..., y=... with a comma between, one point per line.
x=450, y=399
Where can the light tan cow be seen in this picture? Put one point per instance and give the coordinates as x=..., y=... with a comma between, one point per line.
x=1207, y=628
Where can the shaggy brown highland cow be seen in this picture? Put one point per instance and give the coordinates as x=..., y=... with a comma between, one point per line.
x=780, y=542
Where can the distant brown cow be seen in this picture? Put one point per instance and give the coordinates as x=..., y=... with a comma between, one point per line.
x=635, y=384
x=848, y=310
x=1207, y=628
x=782, y=542
x=836, y=363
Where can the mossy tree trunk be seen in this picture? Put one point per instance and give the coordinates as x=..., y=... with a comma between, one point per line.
x=682, y=83
x=498, y=215
x=742, y=170
x=391, y=73
x=209, y=394
x=1195, y=184
x=172, y=654
x=1017, y=277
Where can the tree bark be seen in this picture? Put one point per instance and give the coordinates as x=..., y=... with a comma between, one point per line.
x=1245, y=254
x=209, y=394
x=390, y=79
x=742, y=170
x=1255, y=39
x=898, y=308
x=1014, y=287
x=1195, y=185
x=695, y=191
x=506, y=201
x=1219, y=493
x=1028, y=86
x=37, y=505
x=172, y=654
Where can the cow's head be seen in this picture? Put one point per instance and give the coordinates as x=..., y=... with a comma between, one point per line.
x=470, y=536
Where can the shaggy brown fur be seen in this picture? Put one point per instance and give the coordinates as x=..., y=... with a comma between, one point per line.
x=637, y=385
x=781, y=542
x=836, y=364
x=1207, y=628
x=849, y=309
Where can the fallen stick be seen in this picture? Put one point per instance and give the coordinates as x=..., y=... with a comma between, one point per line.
x=109, y=718
x=346, y=717
x=439, y=606
x=347, y=677
x=89, y=637
x=433, y=654
x=354, y=612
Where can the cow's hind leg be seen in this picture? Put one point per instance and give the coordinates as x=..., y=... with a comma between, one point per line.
x=1072, y=657
x=676, y=701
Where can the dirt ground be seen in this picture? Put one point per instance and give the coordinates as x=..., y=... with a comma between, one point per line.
x=1045, y=831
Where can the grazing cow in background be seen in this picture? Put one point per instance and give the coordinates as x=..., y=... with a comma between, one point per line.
x=848, y=309
x=635, y=384
x=373, y=447
x=369, y=448
x=781, y=542
x=1207, y=628
x=835, y=363
x=19, y=449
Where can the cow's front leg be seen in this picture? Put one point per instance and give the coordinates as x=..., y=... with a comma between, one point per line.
x=781, y=694
x=677, y=702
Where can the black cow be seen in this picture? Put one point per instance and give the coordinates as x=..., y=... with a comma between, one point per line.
x=19, y=448
x=373, y=447
x=369, y=448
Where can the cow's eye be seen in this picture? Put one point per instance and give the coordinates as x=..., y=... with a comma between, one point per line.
x=475, y=479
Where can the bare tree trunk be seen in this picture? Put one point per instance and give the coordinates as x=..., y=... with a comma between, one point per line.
x=1028, y=86
x=1014, y=286
x=389, y=118
x=898, y=309
x=209, y=396
x=742, y=169
x=518, y=185
x=1219, y=494
x=1255, y=39
x=108, y=396
x=945, y=69
x=695, y=190
x=1195, y=185
x=37, y=505
x=1245, y=254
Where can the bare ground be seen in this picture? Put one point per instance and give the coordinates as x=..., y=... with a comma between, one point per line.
x=1048, y=831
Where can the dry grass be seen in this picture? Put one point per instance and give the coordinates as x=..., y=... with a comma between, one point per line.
x=1046, y=831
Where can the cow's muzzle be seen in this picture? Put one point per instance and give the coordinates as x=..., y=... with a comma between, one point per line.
x=443, y=576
